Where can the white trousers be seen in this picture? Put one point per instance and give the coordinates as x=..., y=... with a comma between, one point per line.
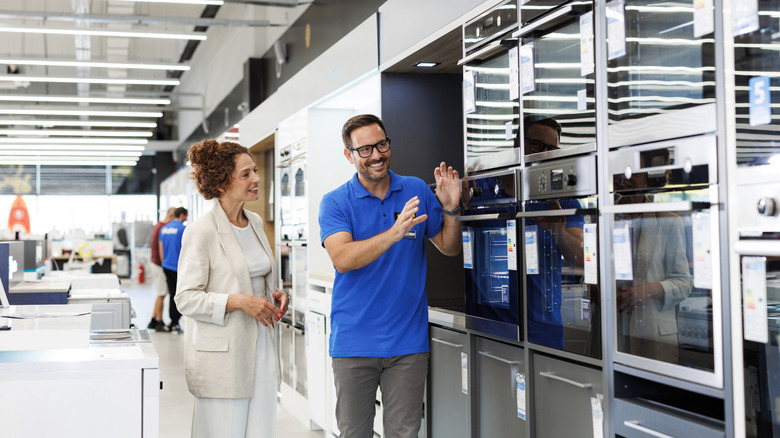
x=243, y=417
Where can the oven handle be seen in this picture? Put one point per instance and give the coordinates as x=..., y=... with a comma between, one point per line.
x=556, y=213
x=484, y=52
x=449, y=344
x=525, y=30
x=634, y=424
x=551, y=375
x=757, y=248
x=652, y=207
x=485, y=217
x=500, y=359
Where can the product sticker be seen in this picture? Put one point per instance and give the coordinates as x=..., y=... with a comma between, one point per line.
x=590, y=257
x=511, y=245
x=582, y=99
x=508, y=126
x=468, y=261
x=745, y=13
x=597, y=412
x=621, y=251
x=616, y=29
x=702, y=251
x=754, y=299
x=531, y=251
x=760, y=101
x=520, y=381
x=514, y=73
x=585, y=310
x=527, y=68
x=703, y=18
x=464, y=373
x=586, y=44
x=469, y=92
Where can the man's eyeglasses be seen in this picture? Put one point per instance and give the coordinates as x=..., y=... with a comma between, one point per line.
x=533, y=146
x=366, y=151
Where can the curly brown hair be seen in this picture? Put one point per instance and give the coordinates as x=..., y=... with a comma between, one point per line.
x=213, y=164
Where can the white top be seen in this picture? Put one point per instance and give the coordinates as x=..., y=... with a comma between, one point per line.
x=256, y=259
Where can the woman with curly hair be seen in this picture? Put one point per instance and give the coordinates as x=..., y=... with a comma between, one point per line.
x=226, y=290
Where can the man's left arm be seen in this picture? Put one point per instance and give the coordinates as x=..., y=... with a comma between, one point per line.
x=449, y=239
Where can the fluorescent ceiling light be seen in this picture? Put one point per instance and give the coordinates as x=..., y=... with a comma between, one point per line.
x=37, y=142
x=95, y=113
x=78, y=99
x=74, y=133
x=82, y=123
x=104, y=32
x=69, y=161
x=68, y=147
x=187, y=2
x=85, y=80
x=95, y=64
x=100, y=153
x=426, y=64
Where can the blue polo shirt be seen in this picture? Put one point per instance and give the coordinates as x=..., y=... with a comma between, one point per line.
x=170, y=236
x=380, y=310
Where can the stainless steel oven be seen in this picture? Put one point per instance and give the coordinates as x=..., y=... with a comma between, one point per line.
x=755, y=78
x=660, y=70
x=557, y=77
x=665, y=259
x=559, y=221
x=759, y=251
x=490, y=254
x=489, y=89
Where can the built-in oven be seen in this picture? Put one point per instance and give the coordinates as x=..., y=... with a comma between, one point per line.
x=490, y=89
x=490, y=257
x=664, y=249
x=660, y=70
x=557, y=78
x=560, y=232
x=755, y=80
x=758, y=247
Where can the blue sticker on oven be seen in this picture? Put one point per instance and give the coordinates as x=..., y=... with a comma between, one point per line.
x=760, y=101
x=468, y=261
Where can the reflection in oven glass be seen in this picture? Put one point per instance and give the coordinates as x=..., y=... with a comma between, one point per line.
x=492, y=282
x=756, y=67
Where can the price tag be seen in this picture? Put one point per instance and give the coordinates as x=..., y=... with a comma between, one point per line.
x=511, y=245
x=469, y=92
x=468, y=261
x=621, y=249
x=464, y=373
x=745, y=13
x=754, y=299
x=590, y=257
x=597, y=412
x=527, y=68
x=616, y=29
x=586, y=44
x=703, y=18
x=520, y=382
x=514, y=73
x=531, y=251
x=702, y=251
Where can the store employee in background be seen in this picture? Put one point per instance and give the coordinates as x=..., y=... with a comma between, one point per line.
x=170, y=247
x=158, y=275
x=226, y=291
x=374, y=229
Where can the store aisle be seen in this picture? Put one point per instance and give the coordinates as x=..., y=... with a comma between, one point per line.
x=175, y=400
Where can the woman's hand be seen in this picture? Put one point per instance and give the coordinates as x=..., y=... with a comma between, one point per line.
x=258, y=308
x=282, y=300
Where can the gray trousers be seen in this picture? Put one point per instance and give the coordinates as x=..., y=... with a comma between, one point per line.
x=402, y=381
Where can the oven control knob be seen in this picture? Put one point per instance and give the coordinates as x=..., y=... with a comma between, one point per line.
x=767, y=207
x=571, y=180
x=475, y=192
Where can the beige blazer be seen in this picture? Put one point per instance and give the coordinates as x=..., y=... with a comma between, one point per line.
x=220, y=349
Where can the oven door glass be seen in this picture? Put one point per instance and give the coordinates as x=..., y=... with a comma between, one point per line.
x=530, y=10
x=762, y=359
x=756, y=66
x=558, y=105
x=491, y=273
x=659, y=68
x=666, y=278
x=486, y=136
x=562, y=300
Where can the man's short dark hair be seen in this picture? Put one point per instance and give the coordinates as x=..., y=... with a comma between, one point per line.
x=179, y=212
x=359, y=122
x=536, y=119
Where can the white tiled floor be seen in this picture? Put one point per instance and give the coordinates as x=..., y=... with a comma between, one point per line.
x=175, y=400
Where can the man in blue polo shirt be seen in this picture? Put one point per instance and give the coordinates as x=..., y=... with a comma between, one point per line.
x=170, y=248
x=374, y=229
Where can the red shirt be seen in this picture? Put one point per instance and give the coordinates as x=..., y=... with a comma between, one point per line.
x=155, y=244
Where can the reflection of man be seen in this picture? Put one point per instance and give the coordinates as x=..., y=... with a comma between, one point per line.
x=661, y=276
x=374, y=229
x=558, y=238
x=170, y=248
